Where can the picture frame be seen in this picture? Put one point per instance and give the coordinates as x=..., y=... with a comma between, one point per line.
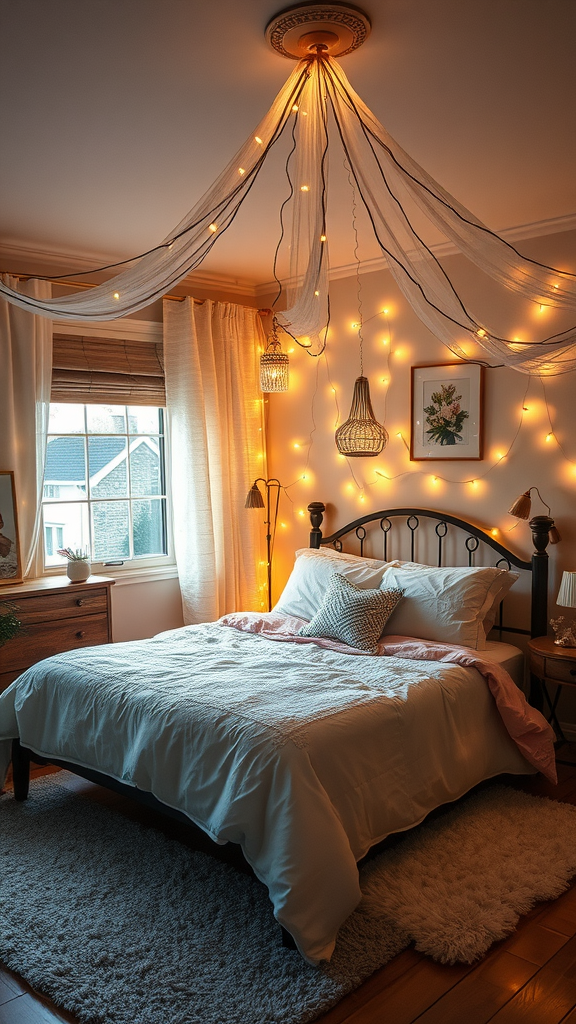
x=446, y=406
x=10, y=561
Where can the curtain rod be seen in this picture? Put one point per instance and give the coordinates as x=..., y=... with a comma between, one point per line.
x=86, y=284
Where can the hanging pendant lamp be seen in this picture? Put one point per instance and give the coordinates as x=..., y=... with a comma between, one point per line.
x=274, y=367
x=361, y=434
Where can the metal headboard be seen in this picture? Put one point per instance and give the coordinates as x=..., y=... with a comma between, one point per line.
x=537, y=566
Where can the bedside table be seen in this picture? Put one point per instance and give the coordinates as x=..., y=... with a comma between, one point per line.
x=551, y=663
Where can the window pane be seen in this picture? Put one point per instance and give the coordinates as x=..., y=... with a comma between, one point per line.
x=107, y=466
x=106, y=419
x=148, y=526
x=145, y=477
x=65, y=473
x=110, y=530
x=66, y=419
x=143, y=420
x=105, y=486
x=65, y=526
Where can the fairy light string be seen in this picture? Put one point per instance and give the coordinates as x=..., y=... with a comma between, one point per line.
x=362, y=487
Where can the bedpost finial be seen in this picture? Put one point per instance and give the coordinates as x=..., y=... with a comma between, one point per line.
x=316, y=510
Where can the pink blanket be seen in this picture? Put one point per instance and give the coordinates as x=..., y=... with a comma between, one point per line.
x=530, y=731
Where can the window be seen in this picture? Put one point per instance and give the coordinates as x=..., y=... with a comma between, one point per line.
x=105, y=484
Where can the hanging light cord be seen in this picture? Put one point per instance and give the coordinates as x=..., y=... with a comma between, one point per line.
x=357, y=259
x=323, y=197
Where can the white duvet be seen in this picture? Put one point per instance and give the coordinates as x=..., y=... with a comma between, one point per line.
x=304, y=756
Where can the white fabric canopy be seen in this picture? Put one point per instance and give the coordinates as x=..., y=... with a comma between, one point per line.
x=211, y=357
x=391, y=186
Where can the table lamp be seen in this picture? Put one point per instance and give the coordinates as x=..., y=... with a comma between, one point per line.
x=565, y=632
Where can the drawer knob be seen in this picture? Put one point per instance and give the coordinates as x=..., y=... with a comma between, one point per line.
x=81, y=633
x=573, y=671
x=80, y=602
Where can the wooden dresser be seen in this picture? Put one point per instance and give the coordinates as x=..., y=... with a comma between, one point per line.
x=57, y=616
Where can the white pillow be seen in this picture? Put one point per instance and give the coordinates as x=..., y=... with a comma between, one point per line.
x=448, y=605
x=370, y=563
x=306, y=586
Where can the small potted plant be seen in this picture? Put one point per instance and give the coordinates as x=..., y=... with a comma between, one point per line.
x=78, y=568
x=10, y=624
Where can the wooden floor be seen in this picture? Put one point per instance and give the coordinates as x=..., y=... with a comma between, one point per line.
x=529, y=978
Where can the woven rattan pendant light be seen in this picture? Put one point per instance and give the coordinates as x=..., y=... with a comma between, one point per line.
x=361, y=434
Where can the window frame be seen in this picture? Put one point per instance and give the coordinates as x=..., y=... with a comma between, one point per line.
x=154, y=566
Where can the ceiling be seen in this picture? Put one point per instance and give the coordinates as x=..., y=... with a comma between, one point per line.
x=118, y=114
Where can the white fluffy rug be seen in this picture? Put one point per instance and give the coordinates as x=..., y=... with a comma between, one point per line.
x=121, y=925
x=459, y=883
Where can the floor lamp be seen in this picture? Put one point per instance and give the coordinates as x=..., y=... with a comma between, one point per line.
x=254, y=499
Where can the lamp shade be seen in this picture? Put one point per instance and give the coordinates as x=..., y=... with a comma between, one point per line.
x=274, y=368
x=521, y=507
x=567, y=593
x=361, y=434
x=254, y=498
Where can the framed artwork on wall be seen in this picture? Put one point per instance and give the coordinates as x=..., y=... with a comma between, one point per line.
x=10, y=564
x=446, y=411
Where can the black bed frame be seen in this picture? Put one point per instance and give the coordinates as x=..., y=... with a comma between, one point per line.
x=538, y=566
x=473, y=536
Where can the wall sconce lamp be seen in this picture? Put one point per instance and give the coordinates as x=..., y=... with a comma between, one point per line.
x=565, y=633
x=254, y=499
x=522, y=507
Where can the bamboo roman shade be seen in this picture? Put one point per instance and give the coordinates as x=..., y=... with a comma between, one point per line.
x=107, y=371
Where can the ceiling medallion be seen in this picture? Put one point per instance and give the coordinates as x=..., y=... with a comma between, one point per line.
x=337, y=28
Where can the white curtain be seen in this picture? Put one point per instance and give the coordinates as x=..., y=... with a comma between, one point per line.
x=26, y=371
x=215, y=408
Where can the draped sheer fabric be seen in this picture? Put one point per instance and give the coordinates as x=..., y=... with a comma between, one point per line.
x=211, y=362
x=392, y=187
x=26, y=361
x=153, y=274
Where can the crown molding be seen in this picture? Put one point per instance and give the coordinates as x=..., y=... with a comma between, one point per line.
x=536, y=229
x=62, y=261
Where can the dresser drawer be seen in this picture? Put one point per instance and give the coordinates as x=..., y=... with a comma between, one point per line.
x=43, y=639
x=563, y=671
x=67, y=604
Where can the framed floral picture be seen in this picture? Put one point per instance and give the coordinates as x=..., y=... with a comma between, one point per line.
x=10, y=564
x=446, y=410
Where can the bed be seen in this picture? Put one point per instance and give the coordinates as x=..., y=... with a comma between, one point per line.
x=370, y=695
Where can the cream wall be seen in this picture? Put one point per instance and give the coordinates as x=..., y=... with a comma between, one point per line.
x=307, y=414
x=140, y=610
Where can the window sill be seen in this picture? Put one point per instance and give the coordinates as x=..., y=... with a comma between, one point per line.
x=127, y=576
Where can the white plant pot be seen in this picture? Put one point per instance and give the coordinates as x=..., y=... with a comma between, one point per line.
x=77, y=572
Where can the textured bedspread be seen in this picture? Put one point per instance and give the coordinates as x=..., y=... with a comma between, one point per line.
x=304, y=755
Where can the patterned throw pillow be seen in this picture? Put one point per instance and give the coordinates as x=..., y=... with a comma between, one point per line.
x=353, y=616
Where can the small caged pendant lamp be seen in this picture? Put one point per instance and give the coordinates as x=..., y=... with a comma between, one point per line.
x=274, y=365
x=361, y=435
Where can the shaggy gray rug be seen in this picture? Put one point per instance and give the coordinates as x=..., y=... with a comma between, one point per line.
x=121, y=925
